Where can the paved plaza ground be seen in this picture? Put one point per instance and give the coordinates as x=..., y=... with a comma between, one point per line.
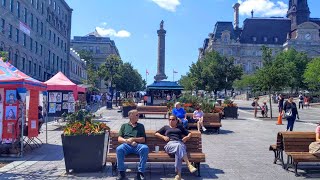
x=240, y=151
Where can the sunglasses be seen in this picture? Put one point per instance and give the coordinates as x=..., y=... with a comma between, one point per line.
x=172, y=119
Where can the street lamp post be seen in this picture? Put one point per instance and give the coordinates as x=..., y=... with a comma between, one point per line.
x=112, y=67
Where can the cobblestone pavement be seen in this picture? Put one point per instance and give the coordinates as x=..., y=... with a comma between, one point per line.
x=240, y=151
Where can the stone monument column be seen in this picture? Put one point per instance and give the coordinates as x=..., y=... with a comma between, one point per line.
x=161, y=54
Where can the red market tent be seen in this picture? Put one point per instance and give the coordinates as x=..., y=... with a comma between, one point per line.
x=60, y=82
x=14, y=81
x=11, y=77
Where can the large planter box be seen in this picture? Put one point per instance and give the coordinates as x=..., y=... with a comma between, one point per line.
x=83, y=153
x=231, y=112
x=126, y=109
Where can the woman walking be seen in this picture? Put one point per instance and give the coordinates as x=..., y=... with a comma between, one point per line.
x=291, y=113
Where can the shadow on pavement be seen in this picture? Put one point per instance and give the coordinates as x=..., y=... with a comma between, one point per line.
x=246, y=108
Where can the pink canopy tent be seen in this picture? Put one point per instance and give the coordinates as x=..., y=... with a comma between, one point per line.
x=60, y=82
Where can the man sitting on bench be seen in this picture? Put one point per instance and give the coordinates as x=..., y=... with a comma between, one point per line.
x=132, y=136
x=180, y=113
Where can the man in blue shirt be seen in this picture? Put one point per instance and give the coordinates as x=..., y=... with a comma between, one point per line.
x=180, y=113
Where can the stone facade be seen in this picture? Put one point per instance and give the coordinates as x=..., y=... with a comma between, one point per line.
x=297, y=31
x=78, y=72
x=36, y=35
x=100, y=47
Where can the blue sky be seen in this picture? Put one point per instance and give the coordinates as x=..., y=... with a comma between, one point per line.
x=133, y=24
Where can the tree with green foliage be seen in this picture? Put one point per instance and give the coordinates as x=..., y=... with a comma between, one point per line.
x=297, y=62
x=246, y=81
x=214, y=72
x=4, y=55
x=312, y=74
x=92, y=76
x=187, y=83
x=128, y=79
x=275, y=74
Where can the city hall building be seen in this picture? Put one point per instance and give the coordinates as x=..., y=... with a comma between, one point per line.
x=36, y=35
x=298, y=30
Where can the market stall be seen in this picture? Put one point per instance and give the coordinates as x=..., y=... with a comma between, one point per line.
x=160, y=92
x=16, y=114
x=62, y=95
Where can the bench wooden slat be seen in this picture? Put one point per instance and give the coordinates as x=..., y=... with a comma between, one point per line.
x=157, y=157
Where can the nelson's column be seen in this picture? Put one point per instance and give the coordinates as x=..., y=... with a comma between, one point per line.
x=161, y=54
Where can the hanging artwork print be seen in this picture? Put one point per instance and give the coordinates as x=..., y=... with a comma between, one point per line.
x=71, y=108
x=58, y=107
x=11, y=112
x=52, y=107
x=71, y=97
x=65, y=97
x=52, y=97
x=58, y=97
x=65, y=105
x=11, y=97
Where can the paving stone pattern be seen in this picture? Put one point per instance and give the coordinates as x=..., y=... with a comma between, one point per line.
x=240, y=151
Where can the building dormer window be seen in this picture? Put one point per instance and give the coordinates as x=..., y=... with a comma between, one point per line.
x=254, y=39
x=276, y=39
x=265, y=39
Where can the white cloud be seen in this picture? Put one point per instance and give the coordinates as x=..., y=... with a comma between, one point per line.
x=265, y=8
x=103, y=24
x=169, y=5
x=111, y=32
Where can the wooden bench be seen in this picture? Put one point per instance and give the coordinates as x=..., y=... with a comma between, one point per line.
x=278, y=149
x=194, y=149
x=296, y=146
x=153, y=110
x=210, y=121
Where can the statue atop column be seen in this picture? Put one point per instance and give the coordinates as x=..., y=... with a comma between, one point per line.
x=161, y=54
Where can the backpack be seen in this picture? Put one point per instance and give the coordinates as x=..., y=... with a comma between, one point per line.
x=253, y=104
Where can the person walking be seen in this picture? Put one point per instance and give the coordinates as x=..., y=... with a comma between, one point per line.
x=290, y=111
x=256, y=106
x=301, y=100
x=280, y=103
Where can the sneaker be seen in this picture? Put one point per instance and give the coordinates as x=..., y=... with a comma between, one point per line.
x=177, y=177
x=121, y=175
x=204, y=129
x=140, y=176
x=192, y=169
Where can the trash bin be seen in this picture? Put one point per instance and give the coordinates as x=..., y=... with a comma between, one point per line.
x=109, y=104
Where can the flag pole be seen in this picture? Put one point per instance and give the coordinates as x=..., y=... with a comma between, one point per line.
x=173, y=75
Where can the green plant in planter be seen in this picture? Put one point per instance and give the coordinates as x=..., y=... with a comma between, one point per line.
x=80, y=123
x=128, y=102
x=207, y=107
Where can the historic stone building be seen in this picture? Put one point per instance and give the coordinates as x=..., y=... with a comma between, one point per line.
x=100, y=47
x=78, y=71
x=297, y=31
x=36, y=35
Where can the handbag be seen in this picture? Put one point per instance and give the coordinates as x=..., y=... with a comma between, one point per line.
x=288, y=113
x=314, y=148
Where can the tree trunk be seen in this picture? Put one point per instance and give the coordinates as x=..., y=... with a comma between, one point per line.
x=270, y=102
